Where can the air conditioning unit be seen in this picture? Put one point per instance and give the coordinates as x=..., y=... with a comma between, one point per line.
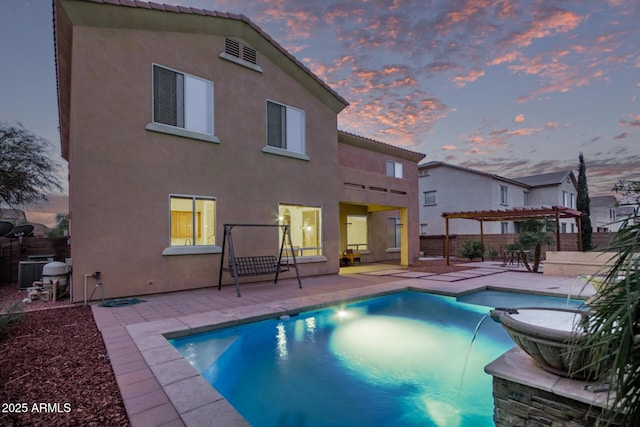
x=29, y=272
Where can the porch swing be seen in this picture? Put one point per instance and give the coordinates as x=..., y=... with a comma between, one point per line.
x=257, y=265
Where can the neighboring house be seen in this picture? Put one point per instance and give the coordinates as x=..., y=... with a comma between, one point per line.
x=178, y=120
x=603, y=213
x=14, y=216
x=607, y=215
x=445, y=187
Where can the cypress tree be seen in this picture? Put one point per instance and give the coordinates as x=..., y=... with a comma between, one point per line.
x=583, y=206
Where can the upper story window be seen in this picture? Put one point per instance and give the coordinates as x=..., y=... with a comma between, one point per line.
x=565, y=199
x=525, y=198
x=573, y=201
x=429, y=198
x=182, y=100
x=504, y=200
x=394, y=169
x=285, y=128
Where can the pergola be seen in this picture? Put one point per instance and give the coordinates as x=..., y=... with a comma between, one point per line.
x=515, y=214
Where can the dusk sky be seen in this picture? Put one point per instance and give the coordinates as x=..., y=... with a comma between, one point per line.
x=509, y=87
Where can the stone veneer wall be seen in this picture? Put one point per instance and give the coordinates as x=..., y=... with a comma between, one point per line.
x=520, y=405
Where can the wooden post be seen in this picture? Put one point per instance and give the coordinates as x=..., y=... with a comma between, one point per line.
x=557, y=231
x=446, y=240
x=482, y=238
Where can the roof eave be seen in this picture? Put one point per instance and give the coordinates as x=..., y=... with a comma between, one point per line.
x=378, y=146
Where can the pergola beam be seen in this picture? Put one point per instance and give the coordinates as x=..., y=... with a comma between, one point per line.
x=512, y=215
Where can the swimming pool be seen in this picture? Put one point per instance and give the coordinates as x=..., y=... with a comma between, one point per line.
x=392, y=360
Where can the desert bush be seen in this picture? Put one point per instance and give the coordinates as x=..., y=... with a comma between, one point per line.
x=471, y=249
x=11, y=315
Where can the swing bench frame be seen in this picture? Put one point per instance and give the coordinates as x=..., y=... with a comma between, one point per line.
x=259, y=265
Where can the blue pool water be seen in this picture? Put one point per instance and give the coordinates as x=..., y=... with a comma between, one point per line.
x=396, y=360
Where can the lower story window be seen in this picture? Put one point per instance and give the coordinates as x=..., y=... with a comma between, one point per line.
x=504, y=227
x=305, y=226
x=394, y=228
x=193, y=221
x=357, y=232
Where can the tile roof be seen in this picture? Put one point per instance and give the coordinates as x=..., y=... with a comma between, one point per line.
x=348, y=136
x=543, y=179
x=435, y=163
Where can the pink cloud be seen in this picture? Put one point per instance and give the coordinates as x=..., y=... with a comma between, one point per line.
x=471, y=76
x=519, y=118
x=546, y=23
x=633, y=122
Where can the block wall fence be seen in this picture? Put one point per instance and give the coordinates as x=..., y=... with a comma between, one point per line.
x=434, y=246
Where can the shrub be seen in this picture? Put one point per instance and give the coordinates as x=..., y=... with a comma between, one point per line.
x=492, y=253
x=13, y=314
x=471, y=249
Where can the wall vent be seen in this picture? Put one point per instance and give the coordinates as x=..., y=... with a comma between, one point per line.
x=232, y=47
x=239, y=50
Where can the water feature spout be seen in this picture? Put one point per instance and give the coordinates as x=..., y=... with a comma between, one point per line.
x=468, y=355
x=578, y=277
x=495, y=313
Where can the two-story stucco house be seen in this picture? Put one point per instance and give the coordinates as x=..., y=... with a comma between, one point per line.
x=178, y=120
x=608, y=215
x=450, y=188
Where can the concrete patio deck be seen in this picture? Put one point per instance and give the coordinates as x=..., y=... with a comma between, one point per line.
x=159, y=386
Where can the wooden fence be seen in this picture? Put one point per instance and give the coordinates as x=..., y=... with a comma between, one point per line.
x=12, y=251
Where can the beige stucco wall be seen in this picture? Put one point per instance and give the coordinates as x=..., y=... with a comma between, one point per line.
x=365, y=185
x=122, y=175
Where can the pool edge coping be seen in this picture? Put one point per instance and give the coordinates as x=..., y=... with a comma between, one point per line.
x=193, y=398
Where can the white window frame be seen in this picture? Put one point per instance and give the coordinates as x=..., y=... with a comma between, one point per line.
x=194, y=104
x=428, y=201
x=394, y=232
x=193, y=248
x=360, y=246
x=394, y=169
x=293, y=141
x=504, y=195
x=565, y=199
x=295, y=226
